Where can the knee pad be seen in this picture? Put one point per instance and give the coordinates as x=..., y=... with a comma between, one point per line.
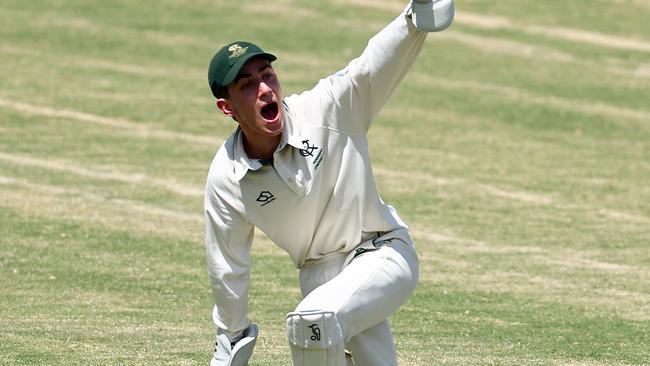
x=315, y=339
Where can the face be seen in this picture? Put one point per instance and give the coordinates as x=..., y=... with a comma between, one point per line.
x=254, y=102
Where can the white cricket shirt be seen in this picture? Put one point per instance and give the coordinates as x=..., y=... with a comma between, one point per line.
x=319, y=196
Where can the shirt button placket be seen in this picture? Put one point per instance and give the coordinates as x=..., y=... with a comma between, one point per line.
x=287, y=176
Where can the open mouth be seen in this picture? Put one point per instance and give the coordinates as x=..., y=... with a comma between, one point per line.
x=270, y=111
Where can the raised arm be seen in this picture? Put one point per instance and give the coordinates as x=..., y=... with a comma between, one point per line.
x=351, y=98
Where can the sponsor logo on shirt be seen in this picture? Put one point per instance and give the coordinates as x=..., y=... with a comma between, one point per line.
x=265, y=198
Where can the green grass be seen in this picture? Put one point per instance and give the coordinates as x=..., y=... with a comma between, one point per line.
x=520, y=159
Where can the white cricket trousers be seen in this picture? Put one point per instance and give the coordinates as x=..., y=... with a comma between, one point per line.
x=364, y=293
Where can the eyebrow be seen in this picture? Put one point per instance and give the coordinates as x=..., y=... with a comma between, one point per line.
x=247, y=75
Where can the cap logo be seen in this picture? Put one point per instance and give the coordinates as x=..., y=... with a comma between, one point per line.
x=236, y=50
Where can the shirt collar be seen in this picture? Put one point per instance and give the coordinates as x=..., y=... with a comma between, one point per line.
x=291, y=135
x=242, y=163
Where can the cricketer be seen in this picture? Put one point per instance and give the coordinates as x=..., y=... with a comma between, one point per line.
x=298, y=168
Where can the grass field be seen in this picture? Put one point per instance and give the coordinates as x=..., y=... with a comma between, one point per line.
x=517, y=149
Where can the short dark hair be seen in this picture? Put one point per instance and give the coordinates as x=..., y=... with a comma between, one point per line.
x=223, y=92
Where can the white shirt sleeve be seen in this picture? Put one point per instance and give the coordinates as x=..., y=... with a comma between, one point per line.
x=351, y=98
x=228, y=242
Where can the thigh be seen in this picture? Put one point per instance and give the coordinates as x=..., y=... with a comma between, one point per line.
x=320, y=272
x=369, y=289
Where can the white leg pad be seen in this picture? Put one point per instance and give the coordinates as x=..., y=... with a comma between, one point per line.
x=315, y=339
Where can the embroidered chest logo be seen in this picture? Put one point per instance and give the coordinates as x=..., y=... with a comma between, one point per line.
x=308, y=150
x=265, y=198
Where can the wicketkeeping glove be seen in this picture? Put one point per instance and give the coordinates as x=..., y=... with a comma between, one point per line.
x=238, y=354
x=432, y=15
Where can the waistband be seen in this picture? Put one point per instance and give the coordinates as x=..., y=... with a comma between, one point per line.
x=335, y=258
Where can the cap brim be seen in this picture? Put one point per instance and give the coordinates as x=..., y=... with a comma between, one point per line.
x=433, y=16
x=234, y=70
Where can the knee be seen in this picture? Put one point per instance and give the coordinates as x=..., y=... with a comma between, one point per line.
x=311, y=328
x=315, y=338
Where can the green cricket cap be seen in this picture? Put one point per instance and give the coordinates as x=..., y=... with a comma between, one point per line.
x=227, y=62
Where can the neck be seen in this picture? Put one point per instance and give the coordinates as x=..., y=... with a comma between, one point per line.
x=261, y=148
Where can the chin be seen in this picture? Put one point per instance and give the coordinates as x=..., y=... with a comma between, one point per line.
x=275, y=128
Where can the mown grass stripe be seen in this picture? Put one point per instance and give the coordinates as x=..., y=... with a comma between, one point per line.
x=526, y=96
x=102, y=173
x=139, y=130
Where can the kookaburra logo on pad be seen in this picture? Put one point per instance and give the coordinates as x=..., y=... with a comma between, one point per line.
x=315, y=331
x=236, y=50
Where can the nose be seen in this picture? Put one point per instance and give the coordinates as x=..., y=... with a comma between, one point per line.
x=265, y=90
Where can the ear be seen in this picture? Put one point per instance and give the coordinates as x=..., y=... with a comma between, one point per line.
x=226, y=107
